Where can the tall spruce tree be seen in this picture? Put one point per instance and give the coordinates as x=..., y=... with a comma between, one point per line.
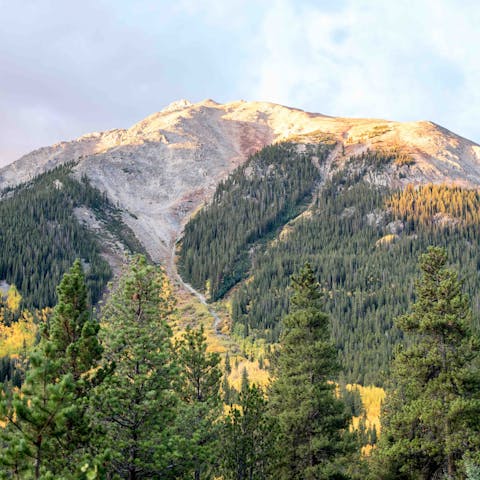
x=134, y=407
x=431, y=418
x=312, y=420
x=47, y=432
x=200, y=406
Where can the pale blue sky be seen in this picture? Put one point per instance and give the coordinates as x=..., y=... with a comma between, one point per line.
x=68, y=68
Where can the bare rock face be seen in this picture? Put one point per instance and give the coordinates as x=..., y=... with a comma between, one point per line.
x=162, y=168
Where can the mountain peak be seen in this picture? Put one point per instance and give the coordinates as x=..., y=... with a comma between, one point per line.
x=177, y=105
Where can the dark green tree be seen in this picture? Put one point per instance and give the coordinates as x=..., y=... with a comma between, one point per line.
x=313, y=422
x=248, y=438
x=74, y=334
x=73, y=331
x=229, y=392
x=228, y=364
x=245, y=380
x=431, y=418
x=47, y=432
x=200, y=406
x=134, y=407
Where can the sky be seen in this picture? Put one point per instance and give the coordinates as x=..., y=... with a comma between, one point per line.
x=68, y=68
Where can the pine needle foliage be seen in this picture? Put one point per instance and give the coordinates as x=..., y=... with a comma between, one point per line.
x=431, y=418
x=134, y=407
x=313, y=422
x=200, y=406
x=47, y=432
x=249, y=434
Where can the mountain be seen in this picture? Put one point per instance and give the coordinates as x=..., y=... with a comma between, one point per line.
x=241, y=195
x=160, y=170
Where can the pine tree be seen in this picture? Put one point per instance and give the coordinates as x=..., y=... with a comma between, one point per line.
x=227, y=390
x=245, y=383
x=200, y=408
x=72, y=328
x=35, y=418
x=74, y=333
x=248, y=438
x=431, y=419
x=46, y=424
x=373, y=436
x=313, y=422
x=134, y=407
x=228, y=365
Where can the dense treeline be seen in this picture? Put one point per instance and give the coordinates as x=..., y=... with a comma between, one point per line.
x=362, y=241
x=375, y=160
x=261, y=195
x=365, y=258
x=40, y=235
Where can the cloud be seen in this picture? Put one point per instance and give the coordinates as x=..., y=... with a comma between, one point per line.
x=400, y=60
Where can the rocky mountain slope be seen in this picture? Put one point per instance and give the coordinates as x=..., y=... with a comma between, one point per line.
x=161, y=169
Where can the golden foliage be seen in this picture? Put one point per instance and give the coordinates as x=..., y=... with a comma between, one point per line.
x=372, y=399
x=438, y=204
x=314, y=137
x=256, y=375
x=377, y=131
x=403, y=159
x=386, y=240
x=19, y=336
x=18, y=330
x=13, y=299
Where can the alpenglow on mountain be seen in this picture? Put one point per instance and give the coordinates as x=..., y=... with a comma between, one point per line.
x=160, y=170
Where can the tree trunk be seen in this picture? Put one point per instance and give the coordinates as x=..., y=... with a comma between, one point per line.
x=38, y=457
x=132, y=469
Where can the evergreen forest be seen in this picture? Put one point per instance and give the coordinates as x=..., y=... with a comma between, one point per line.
x=363, y=242
x=272, y=187
x=40, y=235
x=344, y=284
x=115, y=395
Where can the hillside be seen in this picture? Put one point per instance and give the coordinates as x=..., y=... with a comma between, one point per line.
x=163, y=168
x=362, y=239
x=327, y=190
x=48, y=222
